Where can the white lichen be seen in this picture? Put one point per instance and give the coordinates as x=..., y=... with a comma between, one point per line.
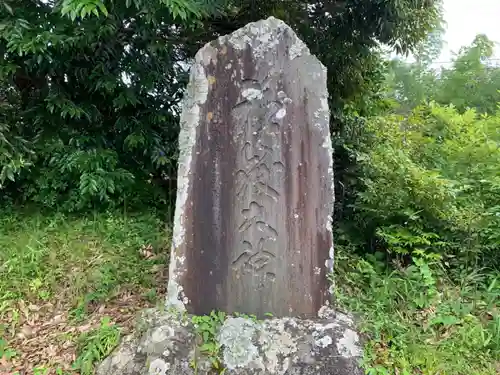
x=236, y=337
x=322, y=121
x=196, y=95
x=324, y=341
x=261, y=36
x=207, y=55
x=162, y=333
x=297, y=48
x=158, y=367
x=320, y=328
x=281, y=113
x=326, y=312
x=278, y=346
x=344, y=319
x=252, y=94
x=264, y=36
x=174, y=294
x=348, y=345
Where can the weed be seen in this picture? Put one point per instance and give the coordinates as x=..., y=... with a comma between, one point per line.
x=206, y=328
x=151, y=295
x=94, y=346
x=5, y=351
x=417, y=321
x=251, y=317
x=41, y=371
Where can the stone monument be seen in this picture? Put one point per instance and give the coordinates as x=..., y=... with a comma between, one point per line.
x=252, y=231
x=252, y=227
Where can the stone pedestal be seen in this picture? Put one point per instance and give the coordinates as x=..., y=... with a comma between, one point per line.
x=167, y=344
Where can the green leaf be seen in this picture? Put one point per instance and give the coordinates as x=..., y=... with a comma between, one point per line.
x=10, y=174
x=87, y=9
x=102, y=8
x=8, y=8
x=215, y=363
x=208, y=347
x=447, y=320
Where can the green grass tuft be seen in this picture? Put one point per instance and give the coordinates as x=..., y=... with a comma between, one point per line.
x=96, y=345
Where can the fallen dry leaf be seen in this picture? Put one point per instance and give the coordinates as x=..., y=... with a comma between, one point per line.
x=26, y=332
x=47, y=338
x=84, y=328
x=34, y=308
x=101, y=309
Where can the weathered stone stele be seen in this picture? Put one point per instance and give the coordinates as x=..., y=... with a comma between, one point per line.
x=252, y=231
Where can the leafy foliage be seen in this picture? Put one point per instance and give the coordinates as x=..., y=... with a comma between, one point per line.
x=97, y=257
x=422, y=174
x=417, y=246
x=62, y=273
x=89, y=96
x=430, y=182
x=91, y=88
x=207, y=327
x=472, y=82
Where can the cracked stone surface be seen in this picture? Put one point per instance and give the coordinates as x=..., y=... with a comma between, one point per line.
x=166, y=344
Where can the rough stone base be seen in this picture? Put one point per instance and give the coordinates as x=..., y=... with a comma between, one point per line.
x=165, y=343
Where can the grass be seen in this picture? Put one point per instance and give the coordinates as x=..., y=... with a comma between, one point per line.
x=63, y=276
x=71, y=286
x=96, y=345
x=416, y=320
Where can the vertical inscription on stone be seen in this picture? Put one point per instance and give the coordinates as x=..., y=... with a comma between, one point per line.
x=259, y=185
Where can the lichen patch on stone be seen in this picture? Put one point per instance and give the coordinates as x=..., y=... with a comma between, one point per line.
x=236, y=337
x=297, y=49
x=252, y=94
x=344, y=318
x=348, y=344
x=196, y=95
x=326, y=312
x=162, y=333
x=281, y=113
x=324, y=341
x=278, y=345
x=158, y=367
x=274, y=346
x=174, y=297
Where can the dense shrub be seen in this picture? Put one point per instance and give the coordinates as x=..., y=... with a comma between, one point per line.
x=429, y=185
